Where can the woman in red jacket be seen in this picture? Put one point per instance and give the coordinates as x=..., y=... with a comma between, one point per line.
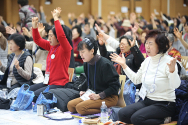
x=58, y=58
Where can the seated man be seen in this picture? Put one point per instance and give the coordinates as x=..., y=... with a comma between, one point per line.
x=103, y=80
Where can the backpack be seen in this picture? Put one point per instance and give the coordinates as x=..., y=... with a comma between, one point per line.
x=5, y=103
x=80, y=83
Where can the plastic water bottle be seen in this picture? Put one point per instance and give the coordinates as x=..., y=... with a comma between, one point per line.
x=5, y=93
x=104, y=113
x=137, y=95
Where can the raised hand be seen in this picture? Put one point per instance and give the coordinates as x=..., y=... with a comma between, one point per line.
x=120, y=60
x=135, y=28
x=56, y=12
x=152, y=16
x=98, y=28
x=69, y=15
x=133, y=42
x=16, y=63
x=101, y=39
x=0, y=34
x=172, y=64
x=9, y=30
x=40, y=27
x=177, y=33
x=35, y=22
x=26, y=32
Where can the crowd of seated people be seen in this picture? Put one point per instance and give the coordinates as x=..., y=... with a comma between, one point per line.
x=148, y=53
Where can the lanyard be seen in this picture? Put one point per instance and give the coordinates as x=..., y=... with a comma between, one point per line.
x=156, y=70
x=12, y=60
x=75, y=43
x=94, y=76
x=50, y=58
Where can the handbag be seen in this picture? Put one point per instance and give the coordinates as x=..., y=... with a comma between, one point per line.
x=24, y=99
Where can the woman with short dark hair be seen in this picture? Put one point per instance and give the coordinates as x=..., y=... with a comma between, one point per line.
x=103, y=80
x=19, y=68
x=76, y=39
x=159, y=77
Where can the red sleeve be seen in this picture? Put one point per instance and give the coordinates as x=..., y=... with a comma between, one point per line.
x=119, y=28
x=39, y=41
x=62, y=37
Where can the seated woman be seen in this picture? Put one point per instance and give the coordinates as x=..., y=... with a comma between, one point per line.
x=172, y=51
x=142, y=47
x=102, y=77
x=58, y=58
x=76, y=39
x=19, y=68
x=133, y=56
x=159, y=77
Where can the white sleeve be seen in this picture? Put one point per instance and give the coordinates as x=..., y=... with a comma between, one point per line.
x=174, y=78
x=113, y=43
x=136, y=78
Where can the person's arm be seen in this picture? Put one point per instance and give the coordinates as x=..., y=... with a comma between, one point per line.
x=111, y=78
x=64, y=43
x=43, y=18
x=62, y=37
x=113, y=43
x=119, y=28
x=22, y=17
x=174, y=79
x=93, y=34
x=138, y=56
x=27, y=71
x=179, y=36
x=153, y=21
x=39, y=41
x=36, y=36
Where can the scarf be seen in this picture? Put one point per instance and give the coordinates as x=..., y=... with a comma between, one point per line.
x=117, y=66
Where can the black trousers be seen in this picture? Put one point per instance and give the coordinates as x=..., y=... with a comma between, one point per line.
x=147, y=112
x=38, y=88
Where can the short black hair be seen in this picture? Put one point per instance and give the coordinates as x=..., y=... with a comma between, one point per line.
x=79, y=30
x=87, y=23
x=186, y=17
x=127, y=37
x=90, y=43
x=160, y=39
x=47, y=27
x=18, y=39
x=165, y=22
x=23, y=2
x=186, y=23
x=52, y=21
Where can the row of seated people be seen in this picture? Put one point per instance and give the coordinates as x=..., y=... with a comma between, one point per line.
x=158, y=73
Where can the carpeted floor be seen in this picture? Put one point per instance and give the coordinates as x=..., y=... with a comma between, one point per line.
x=8, y=117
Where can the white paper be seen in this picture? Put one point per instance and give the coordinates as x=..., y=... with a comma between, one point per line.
x=46, y=79
x=85, y=96
x=138, y=9
x=124, y=9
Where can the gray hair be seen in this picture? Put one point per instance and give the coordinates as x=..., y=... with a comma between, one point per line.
x=170, y=36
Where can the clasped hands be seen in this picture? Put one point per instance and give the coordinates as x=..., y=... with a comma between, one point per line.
x=92, y=96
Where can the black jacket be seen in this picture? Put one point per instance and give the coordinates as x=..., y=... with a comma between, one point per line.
x=106, y=80
x=133, y=61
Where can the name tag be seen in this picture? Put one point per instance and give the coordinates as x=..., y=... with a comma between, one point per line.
x=85, y=96
x=47, y=77
x=143, y=92
x=9, y=81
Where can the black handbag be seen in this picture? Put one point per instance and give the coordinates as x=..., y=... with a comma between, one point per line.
x=80, y=83
x=5, y=103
